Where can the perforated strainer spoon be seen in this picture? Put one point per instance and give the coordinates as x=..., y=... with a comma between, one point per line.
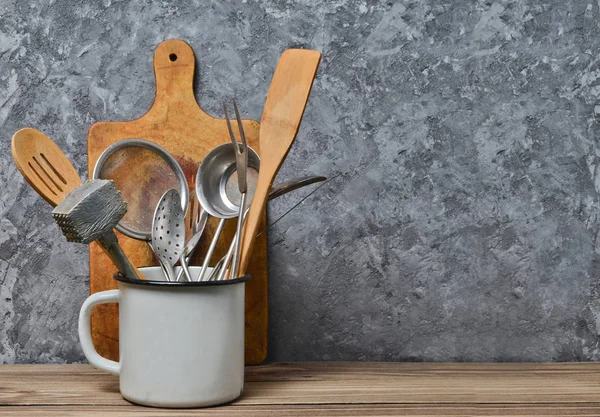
x=168, y=233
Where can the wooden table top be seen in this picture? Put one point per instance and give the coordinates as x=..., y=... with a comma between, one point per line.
x=328, y=389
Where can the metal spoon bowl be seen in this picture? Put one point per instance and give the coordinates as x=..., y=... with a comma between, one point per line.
x=216, y=181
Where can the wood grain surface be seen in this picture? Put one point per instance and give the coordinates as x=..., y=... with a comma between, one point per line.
x=329, y=389
x=177, y=123
x=44, y=165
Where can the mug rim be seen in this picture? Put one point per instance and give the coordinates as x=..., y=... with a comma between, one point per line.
x=119, y=277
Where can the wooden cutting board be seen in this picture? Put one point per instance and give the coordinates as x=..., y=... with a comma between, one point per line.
x=177, y=123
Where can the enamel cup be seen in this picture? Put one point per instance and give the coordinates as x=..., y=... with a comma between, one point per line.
x=181, y=344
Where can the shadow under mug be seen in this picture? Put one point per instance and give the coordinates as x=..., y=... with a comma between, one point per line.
x=181, y=344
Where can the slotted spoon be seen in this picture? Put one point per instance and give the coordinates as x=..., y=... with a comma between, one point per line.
x=168, y=233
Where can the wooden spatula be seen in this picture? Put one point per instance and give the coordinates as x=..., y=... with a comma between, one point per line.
x=284, y=107
x=45, y=167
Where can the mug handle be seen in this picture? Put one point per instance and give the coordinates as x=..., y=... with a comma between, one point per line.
x=85, y=333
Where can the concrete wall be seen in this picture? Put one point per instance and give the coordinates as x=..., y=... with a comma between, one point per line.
x=461, y=220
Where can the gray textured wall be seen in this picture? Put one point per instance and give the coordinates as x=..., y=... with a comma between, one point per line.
x=462, y=220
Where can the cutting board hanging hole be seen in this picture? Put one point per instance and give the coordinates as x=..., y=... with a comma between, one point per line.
x=173, y=57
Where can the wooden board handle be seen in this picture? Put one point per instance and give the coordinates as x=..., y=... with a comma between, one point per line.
x=174, y=64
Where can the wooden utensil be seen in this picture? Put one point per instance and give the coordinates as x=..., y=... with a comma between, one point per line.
x=178, y=124
x=43, y=165
x=284, y=107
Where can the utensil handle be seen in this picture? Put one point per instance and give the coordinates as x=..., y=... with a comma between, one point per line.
x=191, y=246
x=259, y=201
x=110, y=244
x=226, y=259
x=211, y=249
x=85, y=332
x=294, y=184
x=185, y=269
x=238, y=237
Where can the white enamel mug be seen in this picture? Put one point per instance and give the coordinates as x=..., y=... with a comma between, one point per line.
x=181, y=344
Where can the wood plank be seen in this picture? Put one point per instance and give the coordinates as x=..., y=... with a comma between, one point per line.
x=563, y=410
x=375, y=370
x=335, y=384
x=57, y=385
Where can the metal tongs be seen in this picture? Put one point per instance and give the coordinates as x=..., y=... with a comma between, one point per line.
x=241, y=162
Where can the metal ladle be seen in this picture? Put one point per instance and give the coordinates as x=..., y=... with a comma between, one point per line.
x=218, y=191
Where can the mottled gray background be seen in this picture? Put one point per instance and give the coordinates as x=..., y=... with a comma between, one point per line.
x=461, y=222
